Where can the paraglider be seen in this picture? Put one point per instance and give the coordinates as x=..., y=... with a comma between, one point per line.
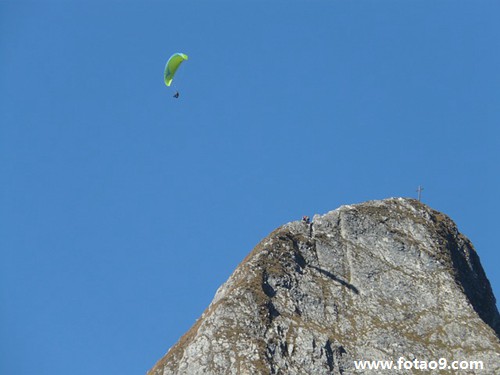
x=171, y=67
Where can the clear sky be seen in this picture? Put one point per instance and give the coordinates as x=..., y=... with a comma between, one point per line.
x=122, y=209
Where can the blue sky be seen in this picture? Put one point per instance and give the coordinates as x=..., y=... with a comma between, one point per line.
x=123, y=209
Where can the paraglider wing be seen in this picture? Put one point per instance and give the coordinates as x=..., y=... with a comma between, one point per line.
x=172, y=65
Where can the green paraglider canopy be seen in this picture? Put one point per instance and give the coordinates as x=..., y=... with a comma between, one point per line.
x=172, y=65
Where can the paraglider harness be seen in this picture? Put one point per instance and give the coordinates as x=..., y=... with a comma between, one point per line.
x=176, y=95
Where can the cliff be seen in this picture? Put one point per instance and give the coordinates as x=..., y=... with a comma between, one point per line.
x=373, y=281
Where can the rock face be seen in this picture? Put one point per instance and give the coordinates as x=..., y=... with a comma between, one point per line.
x=374, y=281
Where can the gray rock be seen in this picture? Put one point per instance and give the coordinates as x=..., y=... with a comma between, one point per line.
x=379, y=280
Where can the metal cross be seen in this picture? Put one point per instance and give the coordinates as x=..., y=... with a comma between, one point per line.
x=419, y=191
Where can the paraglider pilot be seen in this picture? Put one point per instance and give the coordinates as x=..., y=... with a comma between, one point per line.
x=171, y=67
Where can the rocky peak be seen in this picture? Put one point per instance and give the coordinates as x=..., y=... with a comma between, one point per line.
x=373, y=281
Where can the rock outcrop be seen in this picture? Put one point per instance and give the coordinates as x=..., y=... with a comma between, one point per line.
x=375, y=281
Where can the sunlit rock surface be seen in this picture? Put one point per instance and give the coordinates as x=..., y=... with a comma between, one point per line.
x=373, y=281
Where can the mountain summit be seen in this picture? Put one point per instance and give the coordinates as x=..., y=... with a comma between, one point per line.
x=389, y=280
